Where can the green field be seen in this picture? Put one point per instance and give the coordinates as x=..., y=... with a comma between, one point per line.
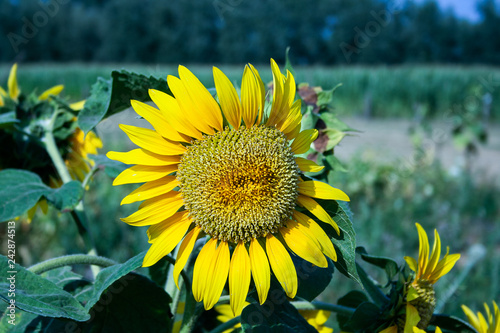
x=402, y=91
x=386, y=201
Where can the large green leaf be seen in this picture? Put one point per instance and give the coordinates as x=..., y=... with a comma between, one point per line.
x=37, y=295
x=20, y=190
x=451, y=323
x=275, y=315
x=111, y=96
x=351, y=300
x=345, y=243
x=311, y=278
x=372, y=287
x=67, y=196
x=388, y=264
x=366, y=315
x=109, y=275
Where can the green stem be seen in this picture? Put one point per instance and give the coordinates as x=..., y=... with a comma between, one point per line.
x=78, y=213
x=74, y=259
x=227, y=325
x=317, y=305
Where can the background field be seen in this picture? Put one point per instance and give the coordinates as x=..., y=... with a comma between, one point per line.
x=397, y=171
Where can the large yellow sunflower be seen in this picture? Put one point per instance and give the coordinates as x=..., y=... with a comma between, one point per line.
x=238, y=181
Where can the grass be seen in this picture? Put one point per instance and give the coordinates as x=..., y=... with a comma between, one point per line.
x=401, y=91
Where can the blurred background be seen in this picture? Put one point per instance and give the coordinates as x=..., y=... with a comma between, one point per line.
x=421, y=82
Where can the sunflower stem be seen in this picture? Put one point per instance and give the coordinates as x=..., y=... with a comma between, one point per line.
x=317, y=305
x=227, y=325
x=78, y=213
x=74, y=259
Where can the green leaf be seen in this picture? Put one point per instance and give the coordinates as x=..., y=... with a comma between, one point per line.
x=352, y=300
x=37, y=295
x=288, y=63
x=312, y=279
x=326, y=97
x=333, y=122
x=308, y=119
x=334, y=163
x=19, y=191
x=451, y=323
x=364, y=317
x=112, y=168
x=8, y=118
x=370, y=285
x=111, y=96
x=67, y=196
x=109, y=275
x=334, y=137
x=275, y=315
x=132, y=303
x=345, y=243
x=158, y=272
x=388, y=264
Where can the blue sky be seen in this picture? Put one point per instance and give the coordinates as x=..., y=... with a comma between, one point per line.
x=463, y=8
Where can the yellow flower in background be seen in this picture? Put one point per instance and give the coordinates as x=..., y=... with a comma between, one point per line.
x=239, y=184
x=225, y=313
x=317, y=319
x=81, y=146
x=488, y=324
x=12, y=85
x=428, y=271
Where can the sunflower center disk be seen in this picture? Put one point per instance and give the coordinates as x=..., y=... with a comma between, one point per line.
x=239, y=184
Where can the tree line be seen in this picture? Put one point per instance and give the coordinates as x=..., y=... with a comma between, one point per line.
x=239, y=31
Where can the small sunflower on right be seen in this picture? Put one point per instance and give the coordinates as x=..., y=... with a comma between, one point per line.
x=488, y=324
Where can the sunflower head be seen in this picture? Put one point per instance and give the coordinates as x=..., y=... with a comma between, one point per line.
x=489, y=323
x=227, y=168
x=428, y=270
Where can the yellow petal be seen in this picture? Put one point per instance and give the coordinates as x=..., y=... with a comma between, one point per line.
x=250, y=97
x=184, y=252
x=471, y=317
x=318, y=211
x=321, y=190
x=187, y=105
x=157, y=230
x=316, y=232
x=54, y=91
x=282, y=265
x=142, y=173
x=3, y=93
x=202, y=98
x=423, y=250
x=261, y=272
x=166, y=242
x=228, y=98
x=239, y=278
x=2, y=103
x=306, y=165
x=303, y=141
x=412, y=263
x=288, y=97
x=152, y=141
x=12, y=85
x=293, y=119
x=171, y=110
x=443, y=267
x=143, y=157
x=160, y=123
x=155, y=213
x=216, y=275
x=151, y=189
x=302, y=245
x=201, y=269
x=77, y=106
x=435, y=254
x=279, y=100
x=261, y=93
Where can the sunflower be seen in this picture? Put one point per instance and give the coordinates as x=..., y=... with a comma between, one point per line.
x=427, y=272
x=238, y=181
x=490, y=324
